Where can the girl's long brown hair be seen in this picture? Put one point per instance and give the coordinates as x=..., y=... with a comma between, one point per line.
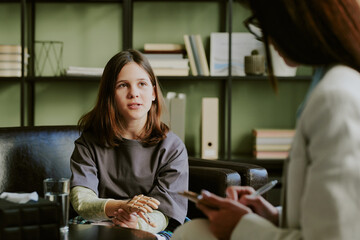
x=105, y=121
x=312, y=32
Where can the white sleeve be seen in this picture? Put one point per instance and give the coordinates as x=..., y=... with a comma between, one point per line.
x=87, y=204
x=254, y=227
x=330, y=201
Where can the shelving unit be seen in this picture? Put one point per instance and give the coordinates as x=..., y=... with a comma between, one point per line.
x=28, y=94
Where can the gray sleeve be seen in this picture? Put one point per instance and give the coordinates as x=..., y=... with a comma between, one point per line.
x=172, y=178
x=83, y=166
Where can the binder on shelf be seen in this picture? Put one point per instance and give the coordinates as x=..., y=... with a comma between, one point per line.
x=176, y=105
x=209, y=128
x=241, y=45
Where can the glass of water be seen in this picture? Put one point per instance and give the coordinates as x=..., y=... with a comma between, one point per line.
x=57, y=190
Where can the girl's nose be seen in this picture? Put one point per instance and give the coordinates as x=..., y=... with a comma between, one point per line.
x=133, y=92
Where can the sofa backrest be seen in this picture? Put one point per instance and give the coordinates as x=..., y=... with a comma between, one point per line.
x=30, y=154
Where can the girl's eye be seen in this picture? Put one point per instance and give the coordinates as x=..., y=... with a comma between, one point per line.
x=143, y=83
x=121, y=85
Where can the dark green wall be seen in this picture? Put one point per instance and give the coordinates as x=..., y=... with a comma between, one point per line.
x=92, y=33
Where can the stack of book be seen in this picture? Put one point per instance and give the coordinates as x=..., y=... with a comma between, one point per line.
x=167, y=59
x=10, y=61
x=196, y=54
x=272, y=143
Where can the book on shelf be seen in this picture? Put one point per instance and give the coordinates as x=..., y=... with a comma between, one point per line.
x=10, y=60
x=11, y=72
x=195, y=52
x=9, y=57
x=171, y=71
x=271, y=154
x=10, y=65
x=169, y=63
x=241, y=45
x=273, y=140
x=190, y=55
x=272, y=147
x=202, y=56
x=166, y=56
x=83, y=71
x=272, y=143
x=163, y=47
x=11, y=49
x=263, y=132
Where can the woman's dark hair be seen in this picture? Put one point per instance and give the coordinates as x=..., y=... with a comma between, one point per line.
x=106, y=122
x=312, y=32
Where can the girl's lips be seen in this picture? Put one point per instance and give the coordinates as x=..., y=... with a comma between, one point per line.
x=134, y=105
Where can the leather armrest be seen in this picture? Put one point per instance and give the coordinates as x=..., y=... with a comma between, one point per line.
x=215, y=180
x=251, y=175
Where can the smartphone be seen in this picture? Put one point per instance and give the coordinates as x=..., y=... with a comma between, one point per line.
x=195, y=197
x=192, y=196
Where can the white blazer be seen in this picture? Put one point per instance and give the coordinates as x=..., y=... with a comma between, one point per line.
x=323, y=175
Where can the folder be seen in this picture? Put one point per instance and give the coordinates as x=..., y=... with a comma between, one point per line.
x=210, y=128
x=176, y=105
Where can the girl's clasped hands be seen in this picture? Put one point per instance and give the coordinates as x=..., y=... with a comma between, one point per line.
x=139, y=205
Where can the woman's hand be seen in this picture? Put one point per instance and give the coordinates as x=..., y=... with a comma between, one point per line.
x=257, y=203
x=223, y=214
x=125, y=213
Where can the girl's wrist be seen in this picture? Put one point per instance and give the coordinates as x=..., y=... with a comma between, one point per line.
x=113, y=205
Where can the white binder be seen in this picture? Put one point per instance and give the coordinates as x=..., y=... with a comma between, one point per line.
x=175, y=119
x=210, y=128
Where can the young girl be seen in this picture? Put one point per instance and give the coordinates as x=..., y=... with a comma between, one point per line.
x=126, y=162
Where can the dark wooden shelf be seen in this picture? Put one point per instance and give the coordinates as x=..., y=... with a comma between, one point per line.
x=10, y=79
x=206, y=78
x=161, y=78
x=265, y=78
x=63, y=79
x=182, y=1
x=78, y=1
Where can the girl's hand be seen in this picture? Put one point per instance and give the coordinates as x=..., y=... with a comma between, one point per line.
x=139, y=205
x=124, y=219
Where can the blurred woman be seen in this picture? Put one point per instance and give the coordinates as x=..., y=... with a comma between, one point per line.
x=322, y=176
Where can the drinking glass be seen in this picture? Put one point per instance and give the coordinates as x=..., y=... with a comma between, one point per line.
x=57, y=190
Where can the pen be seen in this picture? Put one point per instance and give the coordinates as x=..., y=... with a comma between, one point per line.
x=265, y=188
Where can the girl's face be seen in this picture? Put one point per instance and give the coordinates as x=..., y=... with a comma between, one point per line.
x=134, y=94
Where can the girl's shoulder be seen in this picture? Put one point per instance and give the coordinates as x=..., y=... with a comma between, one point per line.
x=172, y=140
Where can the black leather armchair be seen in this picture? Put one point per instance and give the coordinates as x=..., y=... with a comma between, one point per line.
x=30, y=154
